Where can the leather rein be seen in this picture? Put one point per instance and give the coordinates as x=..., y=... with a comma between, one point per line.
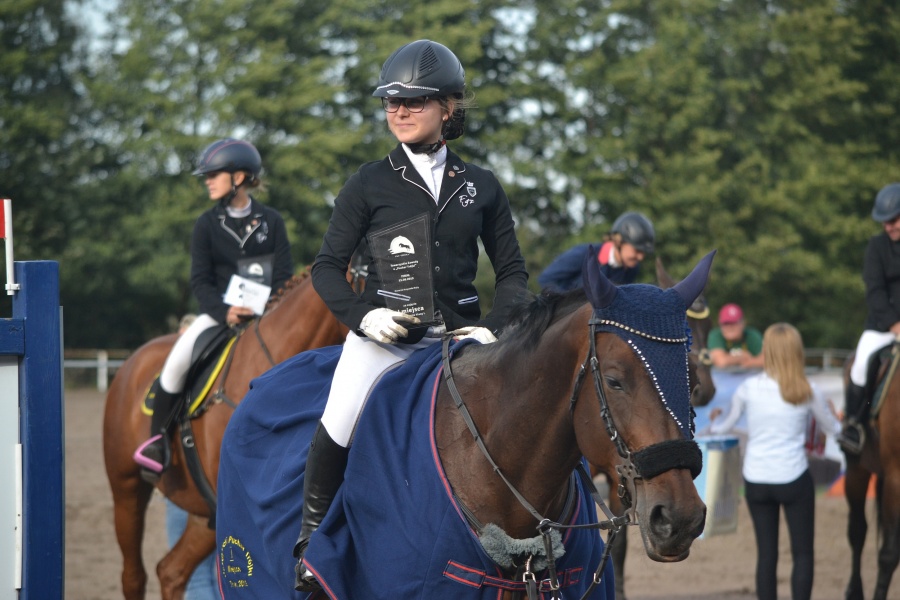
x=646, y=463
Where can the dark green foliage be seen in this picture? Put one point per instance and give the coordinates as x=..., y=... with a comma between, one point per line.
x=762, y=129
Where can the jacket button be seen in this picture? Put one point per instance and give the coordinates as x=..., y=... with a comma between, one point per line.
x=437, y=243
x=437, y=269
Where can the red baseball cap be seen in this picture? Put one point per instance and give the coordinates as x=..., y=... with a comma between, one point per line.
x=730, y=313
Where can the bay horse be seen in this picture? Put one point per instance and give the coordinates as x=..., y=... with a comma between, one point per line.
x=295, y=320
x=451, y=449
x=880, y=457
x=703, y=390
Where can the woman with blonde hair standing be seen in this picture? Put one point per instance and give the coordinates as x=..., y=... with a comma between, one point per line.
x=778, y=403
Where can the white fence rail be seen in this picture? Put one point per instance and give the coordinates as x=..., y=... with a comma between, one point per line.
x=100, y=361
x=827, y=358
x=822, y=358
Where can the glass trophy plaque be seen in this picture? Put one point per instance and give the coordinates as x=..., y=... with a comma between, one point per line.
x=402, y=254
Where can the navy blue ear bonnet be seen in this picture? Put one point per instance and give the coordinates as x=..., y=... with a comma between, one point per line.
x=653, y=322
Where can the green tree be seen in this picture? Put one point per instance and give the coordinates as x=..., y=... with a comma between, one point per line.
x=734, y=125
x=760, y=129
x=42, y=155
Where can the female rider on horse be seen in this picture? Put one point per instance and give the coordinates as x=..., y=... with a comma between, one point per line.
x=422, y=87
x=237, y=227
x=881, y=275
x=620, y=255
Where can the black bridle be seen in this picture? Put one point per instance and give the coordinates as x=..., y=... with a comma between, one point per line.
x=644, y=464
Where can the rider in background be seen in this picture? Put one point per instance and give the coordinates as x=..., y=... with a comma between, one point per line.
x=422, y=89
x=881, y=275
x=237, y=227
x=620, y=255
x=733, y=343
x=778, y=403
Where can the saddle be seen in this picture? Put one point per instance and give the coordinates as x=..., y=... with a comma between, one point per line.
x=881, y=370
x=212, y=351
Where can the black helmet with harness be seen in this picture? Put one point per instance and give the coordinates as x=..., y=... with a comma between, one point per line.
x=635, y=229
x=887, y=203
x=425, y=68
x=229, y=155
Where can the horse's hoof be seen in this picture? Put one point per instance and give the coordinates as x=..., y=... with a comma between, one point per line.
x=305, y=581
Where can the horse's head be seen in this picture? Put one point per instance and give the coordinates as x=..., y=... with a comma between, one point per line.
x=700, y=323
x=639, y=344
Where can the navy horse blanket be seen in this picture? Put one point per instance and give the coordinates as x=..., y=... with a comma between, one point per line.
x=394, y=530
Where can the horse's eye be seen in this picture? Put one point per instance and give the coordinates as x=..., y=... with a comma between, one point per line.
x=613, y=384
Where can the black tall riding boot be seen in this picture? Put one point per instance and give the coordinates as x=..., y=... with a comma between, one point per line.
x=853, y=434
x=325, y=466
x=154, y=454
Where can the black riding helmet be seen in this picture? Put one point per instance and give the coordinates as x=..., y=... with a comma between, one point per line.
x=230, y=155
x=887, y=203
x=637, y=230
x=425, y=68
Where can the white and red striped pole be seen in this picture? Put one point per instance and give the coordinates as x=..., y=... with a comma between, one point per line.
x=7, y=235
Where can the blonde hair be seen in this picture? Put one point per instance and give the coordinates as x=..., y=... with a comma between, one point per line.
x=784, y=360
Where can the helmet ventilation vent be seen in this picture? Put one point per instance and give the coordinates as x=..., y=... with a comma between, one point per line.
x=428, y=62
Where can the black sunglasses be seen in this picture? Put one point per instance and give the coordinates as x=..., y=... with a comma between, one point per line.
x=413, y=105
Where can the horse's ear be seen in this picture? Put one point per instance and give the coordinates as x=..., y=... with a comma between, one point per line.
x=692, y=286
x=599, y=289
x=662, y=276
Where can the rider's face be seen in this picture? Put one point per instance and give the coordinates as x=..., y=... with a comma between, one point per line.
x=631, y=256
x=892, y=229
x=419, y=127
x=218, y=184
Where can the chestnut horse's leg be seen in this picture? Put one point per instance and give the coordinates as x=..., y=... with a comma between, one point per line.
x=176, y=568
x=130, y=498
x=856, y=485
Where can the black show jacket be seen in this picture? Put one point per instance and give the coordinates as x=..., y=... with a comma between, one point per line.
x=472, y=205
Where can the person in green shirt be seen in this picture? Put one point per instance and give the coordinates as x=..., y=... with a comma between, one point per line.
x=732, y=343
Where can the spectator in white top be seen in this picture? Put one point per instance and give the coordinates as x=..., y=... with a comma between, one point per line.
x=778, y=403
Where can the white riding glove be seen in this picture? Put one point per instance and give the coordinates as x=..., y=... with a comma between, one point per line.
x=383, y=325
x=482, y=334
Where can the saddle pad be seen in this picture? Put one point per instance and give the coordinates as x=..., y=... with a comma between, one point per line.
x=394, y=529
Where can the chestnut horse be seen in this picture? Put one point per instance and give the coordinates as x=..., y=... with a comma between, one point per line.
x=490, y=436
x=880, y=457
x=703, y=391
x=295, y=320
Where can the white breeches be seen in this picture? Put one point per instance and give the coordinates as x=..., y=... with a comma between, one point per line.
x=870, y=341
x=174, y=372
x=362, y=364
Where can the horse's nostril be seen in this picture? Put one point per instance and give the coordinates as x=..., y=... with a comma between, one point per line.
x=660, y=523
